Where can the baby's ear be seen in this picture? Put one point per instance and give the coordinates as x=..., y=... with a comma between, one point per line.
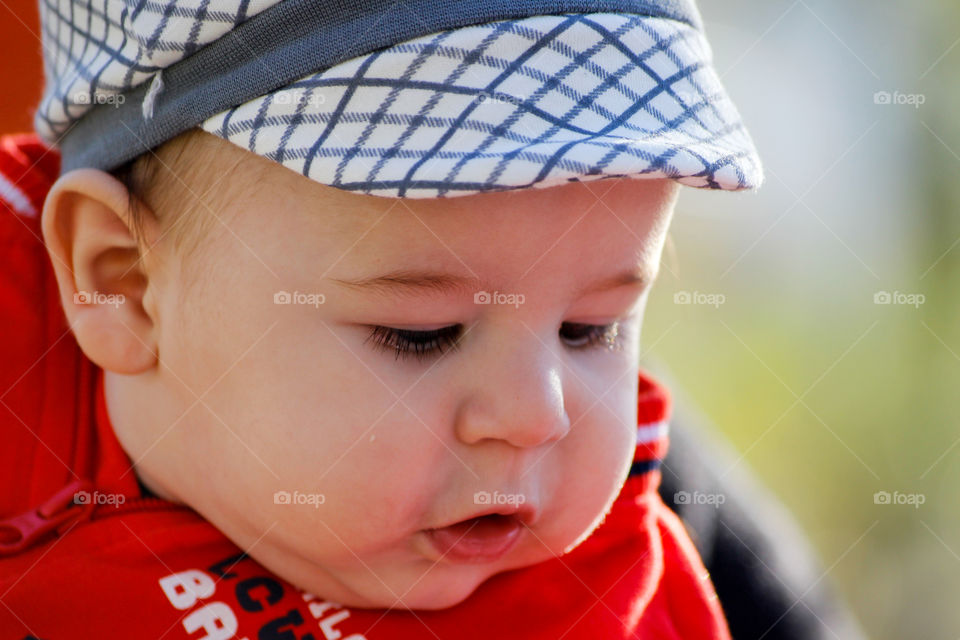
x=86, y=227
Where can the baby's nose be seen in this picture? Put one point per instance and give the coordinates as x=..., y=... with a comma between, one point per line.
x=518, y=399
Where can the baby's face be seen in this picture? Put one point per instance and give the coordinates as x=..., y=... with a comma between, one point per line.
x=327, y=429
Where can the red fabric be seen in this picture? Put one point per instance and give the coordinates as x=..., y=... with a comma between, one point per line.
x=123, y=572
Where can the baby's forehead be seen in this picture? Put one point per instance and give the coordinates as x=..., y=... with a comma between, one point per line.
x=496, y=236
x=408, y=252
x=493, y=221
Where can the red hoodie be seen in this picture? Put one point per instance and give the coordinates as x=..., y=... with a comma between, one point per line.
x=148, y=568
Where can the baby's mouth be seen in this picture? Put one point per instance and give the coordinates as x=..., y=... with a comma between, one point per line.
x=477, y=540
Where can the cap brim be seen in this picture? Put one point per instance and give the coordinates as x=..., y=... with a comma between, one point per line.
x=512, y=104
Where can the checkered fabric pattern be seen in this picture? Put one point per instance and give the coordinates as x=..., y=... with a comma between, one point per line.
x=95, y=50
x=508, y=104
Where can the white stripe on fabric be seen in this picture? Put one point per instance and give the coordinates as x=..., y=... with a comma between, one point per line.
x=15, y=197
x=652, y=432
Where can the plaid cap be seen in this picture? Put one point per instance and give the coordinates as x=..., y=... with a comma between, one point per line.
x=400, y=98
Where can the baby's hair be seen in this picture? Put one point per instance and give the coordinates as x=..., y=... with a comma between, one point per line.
x=133, y=176
x=155, y=189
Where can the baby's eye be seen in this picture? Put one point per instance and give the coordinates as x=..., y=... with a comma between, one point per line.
x=581, y=336
x=419, y=344
x=422, y=344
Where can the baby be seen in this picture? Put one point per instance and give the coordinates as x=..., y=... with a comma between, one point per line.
x=359, y=294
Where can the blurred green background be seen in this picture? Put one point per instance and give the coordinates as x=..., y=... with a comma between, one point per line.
x=828, y=395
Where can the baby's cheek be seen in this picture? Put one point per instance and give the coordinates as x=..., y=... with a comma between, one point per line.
x=604, y=444
x=597, y=454
x=387, y=485
x=356, y=487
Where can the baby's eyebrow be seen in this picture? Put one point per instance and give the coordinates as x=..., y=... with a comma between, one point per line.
x=412, y=283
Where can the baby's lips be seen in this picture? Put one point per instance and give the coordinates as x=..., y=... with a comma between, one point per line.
x=477, y=540
x=526, y=513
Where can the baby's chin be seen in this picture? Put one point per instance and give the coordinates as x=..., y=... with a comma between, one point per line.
x=434, y=587
x=427, y=595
